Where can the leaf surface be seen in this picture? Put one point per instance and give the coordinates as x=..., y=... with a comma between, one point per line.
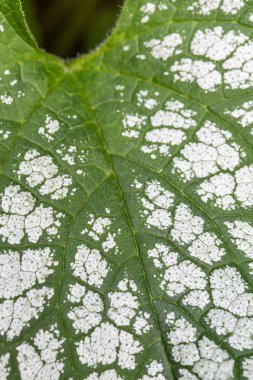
x=126, y=198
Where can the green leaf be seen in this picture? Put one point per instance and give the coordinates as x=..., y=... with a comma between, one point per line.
x=126, y=198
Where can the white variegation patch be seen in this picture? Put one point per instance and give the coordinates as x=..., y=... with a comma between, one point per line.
x=204, y=73
x=49, y=129
x=227, y=191
x=206, y=7
x=154, y=371
x=242, y=114
x=233, y=49
x=90, y=266
x=22, y=297
x=21, y=218
x=166, y=47
x=71, y=154
x=169, y=129
x=107, y=345
x=146, y=100
x=4, y=366
x=39, y=360
x=147, y=10
x=242, y=236
x=179, y=277
x=214, y=151
x=125, y=308
x=132, y=124
x=99, y=229
x=201, y=355
x=247, y=366
x=41, y=172
x=110, y=374
x=86, y=308
x=187, y=226
x=156, y=203
x=233, y=312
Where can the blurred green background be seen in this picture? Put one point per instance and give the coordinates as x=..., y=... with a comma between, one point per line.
x=71, y=27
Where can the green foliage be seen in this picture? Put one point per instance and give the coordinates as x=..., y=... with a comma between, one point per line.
x=126, y=198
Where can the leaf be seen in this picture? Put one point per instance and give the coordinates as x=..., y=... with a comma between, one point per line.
x=126, y=198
